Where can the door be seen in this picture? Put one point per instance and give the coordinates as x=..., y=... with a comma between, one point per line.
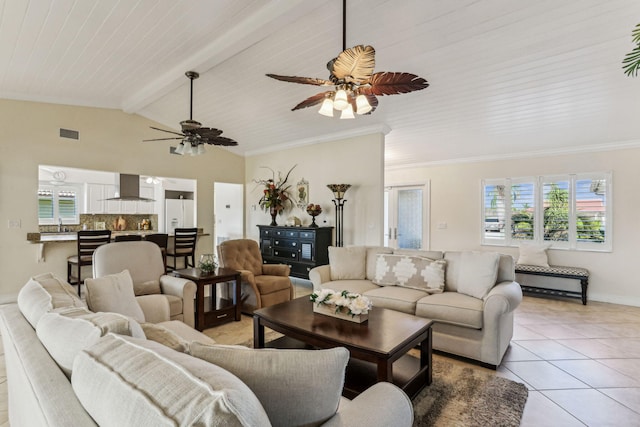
x=228, y=203
x=406, y=217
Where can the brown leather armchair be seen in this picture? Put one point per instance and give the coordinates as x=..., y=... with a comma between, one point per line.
x=262, y=284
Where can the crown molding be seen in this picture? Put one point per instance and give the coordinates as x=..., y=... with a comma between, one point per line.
x=351, y=133
x=612, y=146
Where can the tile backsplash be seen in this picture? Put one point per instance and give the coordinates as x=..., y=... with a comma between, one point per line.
x=111, y=222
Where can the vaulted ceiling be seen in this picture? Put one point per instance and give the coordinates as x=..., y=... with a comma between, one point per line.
x=507, y=77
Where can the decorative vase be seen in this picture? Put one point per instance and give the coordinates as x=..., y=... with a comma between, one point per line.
x=274, y=212
x=313, y=221
x=207, y=263
x=343, y=313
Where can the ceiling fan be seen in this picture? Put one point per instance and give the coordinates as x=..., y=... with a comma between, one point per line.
x=356, y=86
x=193, y=135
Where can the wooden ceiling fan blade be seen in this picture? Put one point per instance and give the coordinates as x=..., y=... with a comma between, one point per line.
x=301, y=80
x=354, y=65
x=221, y=140
x=168, y=131
x=392, y=83
x=207, y=132
x=311, y=101
x=161, y=139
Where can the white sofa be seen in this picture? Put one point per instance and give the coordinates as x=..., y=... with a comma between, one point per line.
x=473, y=313
x=68, y=366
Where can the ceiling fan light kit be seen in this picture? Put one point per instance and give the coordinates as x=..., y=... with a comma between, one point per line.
x=356, y=86
x=194, y=136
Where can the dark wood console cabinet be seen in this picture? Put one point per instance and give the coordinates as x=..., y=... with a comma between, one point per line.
x=301, y=248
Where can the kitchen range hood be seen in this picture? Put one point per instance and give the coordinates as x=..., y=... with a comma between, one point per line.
x=130, y=189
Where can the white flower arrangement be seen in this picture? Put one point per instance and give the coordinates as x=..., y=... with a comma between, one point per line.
x=354, y=303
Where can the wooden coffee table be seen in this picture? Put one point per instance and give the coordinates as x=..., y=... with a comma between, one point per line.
x=378, y=348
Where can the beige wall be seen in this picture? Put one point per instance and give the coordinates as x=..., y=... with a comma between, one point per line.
x=110, y=140
x=456, y=200
x=357, y=161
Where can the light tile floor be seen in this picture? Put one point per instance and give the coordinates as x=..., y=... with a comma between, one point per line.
x=580, y=363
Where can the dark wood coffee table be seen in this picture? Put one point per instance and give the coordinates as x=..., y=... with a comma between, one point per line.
x=378, y=347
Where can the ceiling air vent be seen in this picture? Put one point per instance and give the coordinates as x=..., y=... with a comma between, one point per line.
x=68, y=133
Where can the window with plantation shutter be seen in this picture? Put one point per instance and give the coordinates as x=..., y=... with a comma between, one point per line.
x=571, y=211
x=58, y=204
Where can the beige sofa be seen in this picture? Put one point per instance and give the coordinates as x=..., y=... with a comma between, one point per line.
x=68, y=366
x=472, y=306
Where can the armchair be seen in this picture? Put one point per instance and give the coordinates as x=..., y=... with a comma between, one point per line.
x=262, y=284
x=145, y=263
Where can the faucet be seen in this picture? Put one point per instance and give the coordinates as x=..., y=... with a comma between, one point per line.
x=59, y=224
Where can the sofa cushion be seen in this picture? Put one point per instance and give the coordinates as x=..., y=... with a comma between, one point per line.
x=113, y=293
x=417, y=252
x=312, y=379
x=372, y=259
x=353, y=286
x=160, y=334
x=149, y=287
x=347, y=263
x=124, y=381
x=533, y=254
x=67, y=331
x=453, y=308
x=44, y=293
x=395, y=298
x=186, y=332
x=478, y=273
x=412, y=272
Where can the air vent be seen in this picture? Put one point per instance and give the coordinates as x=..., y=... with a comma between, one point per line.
x=68, y=133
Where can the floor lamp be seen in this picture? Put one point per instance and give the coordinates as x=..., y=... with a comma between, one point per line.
x=339, y=200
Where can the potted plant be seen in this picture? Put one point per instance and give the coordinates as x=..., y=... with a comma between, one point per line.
x=276, y=195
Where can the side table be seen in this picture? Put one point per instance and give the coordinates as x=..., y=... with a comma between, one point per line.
x=220, y=311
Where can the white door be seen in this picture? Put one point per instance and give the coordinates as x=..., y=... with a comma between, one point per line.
x=406, y=219
x=228, y=208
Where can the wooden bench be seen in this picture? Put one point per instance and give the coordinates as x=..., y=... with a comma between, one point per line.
x=581, y=274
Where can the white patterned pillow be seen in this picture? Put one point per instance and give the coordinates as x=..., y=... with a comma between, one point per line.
x=420, y=273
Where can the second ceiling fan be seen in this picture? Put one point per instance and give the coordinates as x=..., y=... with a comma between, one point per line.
x=193, y=135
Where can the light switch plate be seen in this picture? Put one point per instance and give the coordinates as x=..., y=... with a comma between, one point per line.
x=15, y=223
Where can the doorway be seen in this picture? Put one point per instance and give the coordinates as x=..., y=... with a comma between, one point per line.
x=406, y=217
x=228, y=211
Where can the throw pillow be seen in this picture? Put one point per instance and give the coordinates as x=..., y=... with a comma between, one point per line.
x=44, y=293
x=478, y=273
x=164, y=336
x=295, y=387
x=125, y=381
x=66, y=332
x=113, y=293
x=419, y=273
x=347, y=263
x=534, y=254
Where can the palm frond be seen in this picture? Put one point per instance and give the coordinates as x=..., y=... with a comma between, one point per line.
x=354, y=65
x=301, y=80
x=389, y=83
x=311, y=101
x=631, y=62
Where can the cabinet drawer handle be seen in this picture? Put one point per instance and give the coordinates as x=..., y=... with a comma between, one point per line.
x=220, y=316
x=277, y=242
x=294, y=244
x=293, y=255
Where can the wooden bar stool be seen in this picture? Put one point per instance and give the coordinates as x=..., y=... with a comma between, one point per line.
x=87, y=243
x=162, y=240
x=184, y=246
x=128, y=238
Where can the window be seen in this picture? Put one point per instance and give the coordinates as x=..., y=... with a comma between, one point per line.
x=568, y=211
x=57, y=204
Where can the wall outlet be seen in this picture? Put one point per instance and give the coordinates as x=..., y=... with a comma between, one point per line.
x=15, y=223
x=442, y=226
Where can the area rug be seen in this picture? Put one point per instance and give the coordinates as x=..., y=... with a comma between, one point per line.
x=462, y=395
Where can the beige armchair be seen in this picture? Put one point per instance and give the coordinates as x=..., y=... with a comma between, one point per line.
x=145, y=263
x=262, y=284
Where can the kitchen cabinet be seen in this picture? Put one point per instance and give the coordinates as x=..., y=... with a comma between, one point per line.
x=146, y=207
x=96, y=201
x=301, y=248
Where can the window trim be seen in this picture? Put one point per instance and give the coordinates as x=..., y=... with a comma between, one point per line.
x=55, y=190
x=538, y=233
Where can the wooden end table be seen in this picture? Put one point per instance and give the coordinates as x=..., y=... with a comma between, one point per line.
x=378, y=348
x=220, y=310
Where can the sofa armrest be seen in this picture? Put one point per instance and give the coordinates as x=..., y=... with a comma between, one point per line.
x=182, y=288
x=503, y=298
x=247, y=277
x=319, y=275
x=382, y=404
x=155, y=308
x=276, y=269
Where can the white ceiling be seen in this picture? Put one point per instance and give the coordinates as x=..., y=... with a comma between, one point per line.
x=507, y=77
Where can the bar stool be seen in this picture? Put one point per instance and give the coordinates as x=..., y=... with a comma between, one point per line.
x=184, y=246
x=160, y=239
x=87, y=242
x=128, y=238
